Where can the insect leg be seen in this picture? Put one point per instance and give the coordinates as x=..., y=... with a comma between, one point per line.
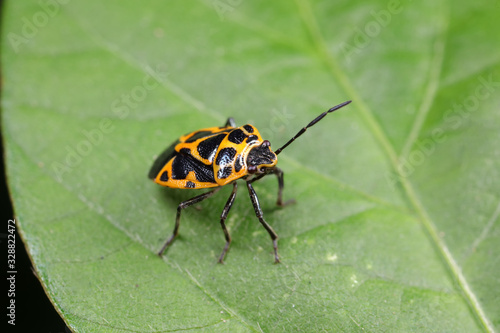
x=279, y=174
x=281, y=184
x=230, y=122
x=260, y=216
x=223, y=217
x=181, y=206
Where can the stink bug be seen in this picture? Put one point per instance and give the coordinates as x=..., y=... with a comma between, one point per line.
x=216, y=156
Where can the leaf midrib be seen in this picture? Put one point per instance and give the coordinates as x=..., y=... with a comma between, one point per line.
x=429, y=227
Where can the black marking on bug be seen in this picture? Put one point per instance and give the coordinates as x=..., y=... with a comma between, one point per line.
x=237, y=136
x=248, y=128
x=237, y=164
x=207, y=148
x=182, y=165
x=164, y=176
x=252, y=138
x=225, y=172
x=162, y=159
x=224, y=160
x=185, y=151
x=198, y=135
x=225, y=156
x=190, y=184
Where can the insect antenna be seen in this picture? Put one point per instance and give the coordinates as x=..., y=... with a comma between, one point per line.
x=318, y=118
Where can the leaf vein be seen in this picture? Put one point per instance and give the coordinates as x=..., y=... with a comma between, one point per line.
x=430, y=92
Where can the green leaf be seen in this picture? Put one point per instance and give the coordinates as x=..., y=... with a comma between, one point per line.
x=396, y=226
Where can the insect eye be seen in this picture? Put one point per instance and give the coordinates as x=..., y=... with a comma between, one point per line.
x=252, y=169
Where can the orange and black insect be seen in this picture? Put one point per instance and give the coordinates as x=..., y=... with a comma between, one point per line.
x=217, y=156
